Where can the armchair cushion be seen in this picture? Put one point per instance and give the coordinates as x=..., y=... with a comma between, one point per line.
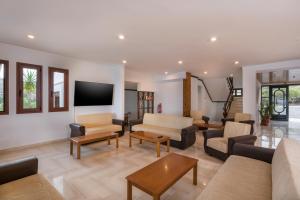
x=93, y=120
x=103, y=128
x=196, y=115
x=233, y=129
x=218, y=143
x=242, y=117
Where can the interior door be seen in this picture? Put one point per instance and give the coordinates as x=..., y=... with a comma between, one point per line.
x=279, y=101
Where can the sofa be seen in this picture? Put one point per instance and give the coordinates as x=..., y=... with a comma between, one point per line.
x=219, y=143
x=241, y=118
x=96, y=123
x=258, y=173
x=181, y=131
x=19, y=180
x=199, y=118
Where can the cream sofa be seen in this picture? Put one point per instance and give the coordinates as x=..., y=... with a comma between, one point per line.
x=258, y=173
x=179, y=129
x=96, y=123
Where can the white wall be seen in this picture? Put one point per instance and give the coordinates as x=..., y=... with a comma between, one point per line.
x=24, y=129
x=249, y=82
x=218, y=88
x=201, y=101
x=170, y=95
x=146, y=81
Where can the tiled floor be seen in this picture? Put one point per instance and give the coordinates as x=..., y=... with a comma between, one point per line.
x=101, y=172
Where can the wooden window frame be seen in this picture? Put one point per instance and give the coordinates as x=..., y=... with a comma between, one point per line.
x=39, y=88
x=51, y=107
x=6, y=87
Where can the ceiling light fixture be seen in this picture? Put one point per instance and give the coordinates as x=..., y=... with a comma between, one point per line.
x=205, y=72
x=30, y=36
x=121, y=37
x=236, y=62
x=213, y=39
x=231, y=75
x=124, y=61
x=180, y=62
x=166, y=73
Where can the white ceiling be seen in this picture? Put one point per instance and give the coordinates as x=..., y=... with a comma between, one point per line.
x=158, y=32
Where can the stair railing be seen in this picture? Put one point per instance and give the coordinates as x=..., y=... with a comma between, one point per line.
x=229, y=99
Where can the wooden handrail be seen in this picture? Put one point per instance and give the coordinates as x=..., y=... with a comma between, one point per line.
x=229, y=99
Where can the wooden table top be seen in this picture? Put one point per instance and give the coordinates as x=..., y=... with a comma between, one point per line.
x=93, y=137
x=157, y=177
x=152, y=137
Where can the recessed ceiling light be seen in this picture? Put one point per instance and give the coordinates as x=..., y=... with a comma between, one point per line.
x=236, y=62
x=205, y=72
x=231, y=75
x=166, y=73
x=213, y=39
x=180, y=62
x=121, y=37
x=124, y=61
x=30, y=36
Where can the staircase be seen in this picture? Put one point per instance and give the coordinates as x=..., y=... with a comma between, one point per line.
x=236, y=107
x=227, y=104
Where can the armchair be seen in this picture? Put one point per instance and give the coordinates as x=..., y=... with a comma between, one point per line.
x=241, y=118
x=219, y=143
x=199, y=118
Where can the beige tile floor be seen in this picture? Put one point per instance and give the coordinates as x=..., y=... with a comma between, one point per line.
x=101, y=171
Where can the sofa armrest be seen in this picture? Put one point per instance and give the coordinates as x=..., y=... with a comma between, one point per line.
x=243, y=139
x=188, y=136
x=18, y=169
x=258, y=153
x=119, y=122
x=251, y=122
x=134, y=122
x=206, y=119
x=224, y=120
x=77, y=130
x=211, y=134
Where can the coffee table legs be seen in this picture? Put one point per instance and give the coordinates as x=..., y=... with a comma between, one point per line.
x=130, y=141
x=195, y=174
x=158, y=149
x=78, y=151
x=129, y=191
x=117, y=141
x=168, y=146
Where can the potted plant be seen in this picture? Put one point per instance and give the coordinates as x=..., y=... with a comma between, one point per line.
x=265, y=112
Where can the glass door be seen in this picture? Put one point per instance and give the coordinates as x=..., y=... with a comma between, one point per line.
x=279, y=101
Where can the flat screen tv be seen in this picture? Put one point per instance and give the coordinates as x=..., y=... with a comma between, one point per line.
x=93, y=94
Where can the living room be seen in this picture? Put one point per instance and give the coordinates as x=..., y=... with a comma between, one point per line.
x=98, y=104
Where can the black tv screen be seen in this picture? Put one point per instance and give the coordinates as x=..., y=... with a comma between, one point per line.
x=93, y=94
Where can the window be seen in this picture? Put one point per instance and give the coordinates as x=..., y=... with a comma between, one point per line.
x=265, y=96
x=29, y=88
x=4, y=87
x=58, y=89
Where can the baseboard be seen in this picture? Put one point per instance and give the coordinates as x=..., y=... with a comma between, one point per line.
x=32, y=145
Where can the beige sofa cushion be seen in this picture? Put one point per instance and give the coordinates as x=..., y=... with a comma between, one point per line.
x=286, y=170
x=240, y=178
x=167, y=121
x=92, y=120
x=196, y=115
x=233, y=129
x=103, y=128
x=174, y=134
x=242, y=117
x=34, y=187
x=218, y=143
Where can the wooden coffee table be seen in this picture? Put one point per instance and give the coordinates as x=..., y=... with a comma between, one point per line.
x=157, y=177
x=86, y=139
x=150, y=137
